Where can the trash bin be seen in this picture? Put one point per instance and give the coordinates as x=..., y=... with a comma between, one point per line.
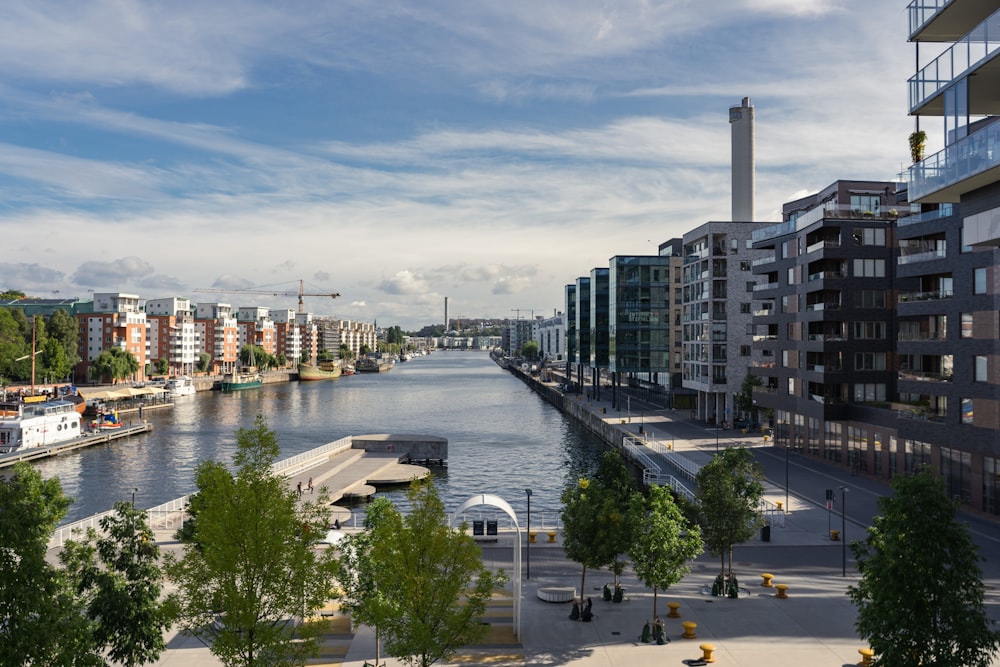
x=765, y=533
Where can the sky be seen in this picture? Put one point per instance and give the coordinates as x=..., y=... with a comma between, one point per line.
x=399, y=152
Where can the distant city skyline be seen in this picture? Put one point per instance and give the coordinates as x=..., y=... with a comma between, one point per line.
x=397, y=154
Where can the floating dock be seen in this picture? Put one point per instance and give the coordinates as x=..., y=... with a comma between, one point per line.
x=99, y=438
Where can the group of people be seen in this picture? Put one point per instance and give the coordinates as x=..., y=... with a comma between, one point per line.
x=586, y=615
x=309, y=487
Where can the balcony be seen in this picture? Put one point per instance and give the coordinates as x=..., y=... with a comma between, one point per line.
x=761, y=261
x=904, y=336
x=761, y=287
x=918, y=257
x=945, y=211
x=925, y=376
x=826, y=275
x=933, y=295
x=964, y=57
x=822, y=306
x=965, y=165
x=822, y=245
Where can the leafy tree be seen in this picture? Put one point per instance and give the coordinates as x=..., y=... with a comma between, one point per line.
x=250, y=567
x=40, y=623
x=118, y=578
x=203, y=363
x=920, y=599
x=64, y=327
x=345, y=352
x=11, y=295
x=530, y=350
x=114, y=363
x=662, y=540
x=12, y=346
x=161, y=366
x=365, y=349
x=428, y=587
x=53, y=361
x=730, y=489
x=594, y=517
x=744, y=399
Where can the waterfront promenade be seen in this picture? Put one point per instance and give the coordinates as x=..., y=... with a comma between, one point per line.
x=813, y=626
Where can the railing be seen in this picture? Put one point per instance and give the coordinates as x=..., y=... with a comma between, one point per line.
x=760, y=287
x=822, y=306
x=652, y=473
x=925, y=376
x=964, y=158
x=958, y=59
x=826, y=275
x=920, y=335
x=770, y=259
x=944, y=211
x=920, y=12
x=925, y=296
x=928, y=256
x=822, y=245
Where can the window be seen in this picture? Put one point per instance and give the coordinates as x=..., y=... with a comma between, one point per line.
x=869, y=361
x=744, y=266
x=750, y=285
x=869, y=392
x=745, y=308
x=869, y=268
x=870, y=298
x=981, y=364
x=869, y=330
x=791, y=387
x=745, y=350
x=967, y=322
x=870, y=236
x=866, y=204
x=967, y=414
x=979, y=281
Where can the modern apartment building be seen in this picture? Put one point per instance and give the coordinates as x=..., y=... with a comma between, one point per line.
x=572, y=340
x=332, y=333
x=216, y=328
x=950, y=270
x=118, y=321
x=171, y=334
x=718, y=294
x=550, y=333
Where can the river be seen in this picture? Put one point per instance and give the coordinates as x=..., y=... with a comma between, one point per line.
x=502, y=438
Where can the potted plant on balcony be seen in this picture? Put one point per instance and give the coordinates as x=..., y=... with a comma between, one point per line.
x=917, y=141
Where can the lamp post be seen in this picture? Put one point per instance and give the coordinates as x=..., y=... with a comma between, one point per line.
x=786, y=477
x=133, y=496
x=843, y=528
x=527, y=545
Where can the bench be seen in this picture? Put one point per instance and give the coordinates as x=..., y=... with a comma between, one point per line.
x=557, y=593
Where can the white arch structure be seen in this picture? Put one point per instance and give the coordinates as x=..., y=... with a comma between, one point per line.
x=501, y=504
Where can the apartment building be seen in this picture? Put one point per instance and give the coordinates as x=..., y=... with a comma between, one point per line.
x=550, y=333
x=256, y=328
x=950, y=270
x=332, y=333
x=116, y=320
x=171, y=334
x=718, y=291
x=218, y=335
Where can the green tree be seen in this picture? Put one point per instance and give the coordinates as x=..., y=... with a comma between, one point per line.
x=114, y=364
x=40, y=620
x=119, y=580
x=744, y=399
x=662, y=540
x=530, y=350
x=345, y=352
x=365, y=349
x=203, y=363
x=430, y=584
x=920, y=599
x=161, y=366
x=250, y=568
x=12, y=346
x=730, y=489
x=618, y=489
x=11, y=295
x=52, y=361
x=64, y=327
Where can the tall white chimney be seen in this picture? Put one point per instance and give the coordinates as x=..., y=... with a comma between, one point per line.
x=741, y=120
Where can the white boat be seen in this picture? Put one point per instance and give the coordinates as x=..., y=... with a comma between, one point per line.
x=181, y=386
x=29, y=425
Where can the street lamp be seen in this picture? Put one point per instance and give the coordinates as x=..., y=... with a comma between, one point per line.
x=843, y=528
x=133, y=496
x=527, y=545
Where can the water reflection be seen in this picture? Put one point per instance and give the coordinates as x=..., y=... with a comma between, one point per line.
x=502, y=437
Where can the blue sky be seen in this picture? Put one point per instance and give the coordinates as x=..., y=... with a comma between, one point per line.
x=400, y=152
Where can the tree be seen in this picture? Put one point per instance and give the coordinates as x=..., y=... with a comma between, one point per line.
x=204, y=361
x=114, y=363
x=249, y=567
x=662, y=540
x=161, y=366
x=530, y=350
x=426, y=584
x=38, y=617
x=64, y=327
x=594, y=517
x=118, y=578
x=744, y=399
x=365, y=349
x=730, y=489
x=920, y=599
x=345, y=352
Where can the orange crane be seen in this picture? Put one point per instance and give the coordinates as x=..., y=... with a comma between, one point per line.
x=300, y=294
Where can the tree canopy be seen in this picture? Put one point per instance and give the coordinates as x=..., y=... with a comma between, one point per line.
x=115, y=364
x=920, y=599
x=730, y=489
x=421, y=583
x=249, y=567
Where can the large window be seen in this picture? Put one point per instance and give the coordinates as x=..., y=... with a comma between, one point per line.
x=869, y=392
x=869, y=268
x=870, y=236
x=869, y=361
x=979, y=281
x=870, y=298
x=866, y=204
x=981, y=364
x=869, y=330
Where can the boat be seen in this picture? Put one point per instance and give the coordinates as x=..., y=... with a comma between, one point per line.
x=106, y=421
x=326, y=370
x=370, y=365
x=348, y=370
x=247, y=377
x=181, y=386
x=30, y=425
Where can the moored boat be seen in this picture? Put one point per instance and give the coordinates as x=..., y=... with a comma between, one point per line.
x=348, y=370
x=370, y=365
x=248, y=377
x=326, y=370
x=181, y=386
x=28, y=425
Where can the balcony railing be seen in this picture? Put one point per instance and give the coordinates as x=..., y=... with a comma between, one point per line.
x=826, y=275
x=945, y=211
x=932, y=295
x=760, y=261
x=920, y=335
x=918, y=257
x=963, y=159
x=822, y=306
x=821, y=245
x=925, y=376
x=920, y=12
x=962, y=56
x=760, y=287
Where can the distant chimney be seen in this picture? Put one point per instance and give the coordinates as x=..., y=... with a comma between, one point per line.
x=741, y=120
x=446, y=314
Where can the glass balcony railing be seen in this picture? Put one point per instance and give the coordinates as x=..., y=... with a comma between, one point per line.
x=961, y=160
x=920, y=12
x=961, y=57
x=915, y=258
x=945, y=211
x=905, y=297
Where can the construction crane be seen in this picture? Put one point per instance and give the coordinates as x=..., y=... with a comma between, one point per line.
x=300, y=294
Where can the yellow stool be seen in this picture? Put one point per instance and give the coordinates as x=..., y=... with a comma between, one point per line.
x=767, y=577
x=674, y=607
x=707, y=650
x=782, y=588
x=689, y=627
x=835, y=535
x=778, y=503
x=552, y=535
x=866, y=656
x=531, y=536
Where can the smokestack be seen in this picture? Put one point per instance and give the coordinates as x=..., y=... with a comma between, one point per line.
x=741, y=120
x=446, y=314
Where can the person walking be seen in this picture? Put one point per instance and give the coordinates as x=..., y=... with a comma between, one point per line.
x=310, y=485
x=300, y=489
